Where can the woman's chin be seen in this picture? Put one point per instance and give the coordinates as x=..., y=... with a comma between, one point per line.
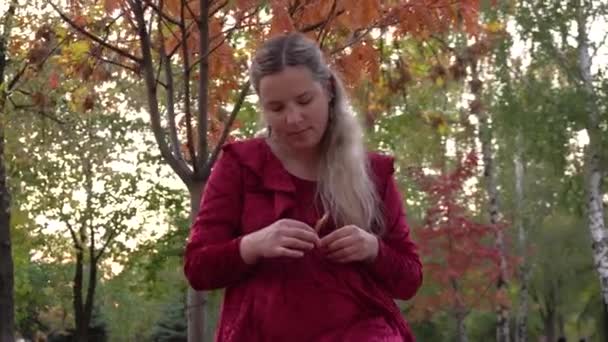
x=307, y=139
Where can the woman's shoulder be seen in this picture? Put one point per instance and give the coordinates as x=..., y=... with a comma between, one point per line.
x=250, y=153
x=243, y=146
x=382, y=164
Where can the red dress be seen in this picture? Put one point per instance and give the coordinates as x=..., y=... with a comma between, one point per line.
x=306, y=299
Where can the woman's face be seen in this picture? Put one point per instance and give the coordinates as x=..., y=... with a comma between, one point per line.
x=295, y=106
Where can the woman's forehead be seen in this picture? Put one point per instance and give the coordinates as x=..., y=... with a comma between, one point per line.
x=290, y=82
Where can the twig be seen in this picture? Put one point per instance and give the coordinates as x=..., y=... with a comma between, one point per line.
x=94, y=37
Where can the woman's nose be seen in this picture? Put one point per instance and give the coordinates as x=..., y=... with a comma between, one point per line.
x=294, y=114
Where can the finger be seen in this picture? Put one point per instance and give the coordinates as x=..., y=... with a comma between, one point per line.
x=297, y=224
x=293, y=243
x=301, y=234
x=354, y=255
x=339, y=244
x=335, y=235
x=290, y=253
x=342, y=253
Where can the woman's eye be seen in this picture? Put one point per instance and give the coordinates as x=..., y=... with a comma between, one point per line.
x=276, y=108
x=305, y=100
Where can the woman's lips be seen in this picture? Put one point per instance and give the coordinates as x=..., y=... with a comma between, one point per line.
x=298, y=132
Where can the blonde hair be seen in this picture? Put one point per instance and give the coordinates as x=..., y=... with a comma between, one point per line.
x=346, y=188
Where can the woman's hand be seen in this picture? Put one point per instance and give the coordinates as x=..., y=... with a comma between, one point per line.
x=284, y=238
x=350, y=243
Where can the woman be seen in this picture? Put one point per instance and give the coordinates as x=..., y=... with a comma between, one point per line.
x=262, y=231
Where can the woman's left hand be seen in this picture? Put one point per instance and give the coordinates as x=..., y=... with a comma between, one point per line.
x=350, y=243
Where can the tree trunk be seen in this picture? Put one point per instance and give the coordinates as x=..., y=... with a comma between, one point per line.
x=7, y=300
x=605, y=320
x=7, y=305
x=462, y=328
x=83, y=308
x=485, y=137
x=549, y=323
x=593, y=167
x=196, y=300
x=561, y=324
x=524, y=269
x=80, y=335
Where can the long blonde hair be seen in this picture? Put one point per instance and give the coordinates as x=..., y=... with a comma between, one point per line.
x=346, y=188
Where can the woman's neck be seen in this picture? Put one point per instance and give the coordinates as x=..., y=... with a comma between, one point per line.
x=300, y=162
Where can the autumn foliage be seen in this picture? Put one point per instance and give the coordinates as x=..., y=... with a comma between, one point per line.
x=460, y=260
x=211, y=45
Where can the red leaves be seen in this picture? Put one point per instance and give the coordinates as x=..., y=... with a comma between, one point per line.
x=457, y=258
x=54, y=80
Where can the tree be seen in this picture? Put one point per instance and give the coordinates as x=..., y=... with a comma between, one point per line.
x=92, y=201
x=7, y=305
x=453, y=246
x=551, y=27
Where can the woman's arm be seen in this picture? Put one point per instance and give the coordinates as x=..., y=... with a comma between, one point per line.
x=397, y=266
x=212, y=257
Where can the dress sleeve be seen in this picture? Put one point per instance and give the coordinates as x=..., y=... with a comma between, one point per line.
x=397, y=267
x=212, y=257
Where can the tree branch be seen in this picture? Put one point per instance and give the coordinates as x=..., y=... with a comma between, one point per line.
x=75, y=239
x=180, y=41
x=170, y=92
x=203, y=84
x=227, y=34
x=17, y=77
x=118, y=64
x=355, y=38
x=322, y=23
x=94, y=37
x=596, y=47
x=162, y=14
x=180, y=169
x=235, y=110
x=115, y=221
x=41, y=112
x=323, y=32
x=187, y=106
x=219, y=8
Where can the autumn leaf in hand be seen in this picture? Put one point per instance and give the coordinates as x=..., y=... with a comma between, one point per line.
x=321, y=222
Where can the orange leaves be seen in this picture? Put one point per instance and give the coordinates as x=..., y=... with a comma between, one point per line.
x=315, y=13
x=360, y=13
x=361, y=63
x=173, y=7
x=469, y=11
x=281, y=21
x=423, y=17
x=111, y=5
x=244, y=5
x=80, y=20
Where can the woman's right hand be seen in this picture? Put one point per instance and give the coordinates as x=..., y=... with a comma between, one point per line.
x=284, y=238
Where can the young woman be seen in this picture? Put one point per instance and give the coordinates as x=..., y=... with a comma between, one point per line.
x=304, y=228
